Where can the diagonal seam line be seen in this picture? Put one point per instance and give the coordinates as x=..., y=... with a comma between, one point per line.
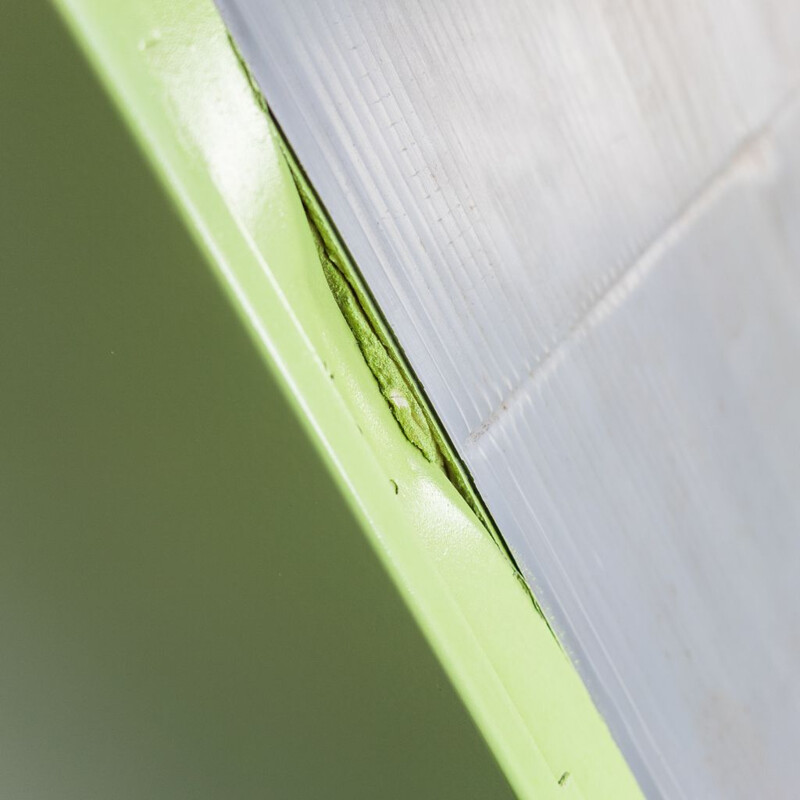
x=629, y=277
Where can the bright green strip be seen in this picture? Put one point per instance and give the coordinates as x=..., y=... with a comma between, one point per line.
x=175, y=78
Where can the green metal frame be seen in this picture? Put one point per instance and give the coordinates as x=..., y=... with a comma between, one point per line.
x=172, y=72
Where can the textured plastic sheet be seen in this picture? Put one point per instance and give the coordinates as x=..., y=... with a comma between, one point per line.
x=582, y=221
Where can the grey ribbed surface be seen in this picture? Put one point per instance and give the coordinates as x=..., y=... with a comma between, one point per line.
x=582, y=220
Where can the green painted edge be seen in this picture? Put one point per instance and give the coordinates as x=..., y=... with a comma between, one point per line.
x=171, y=71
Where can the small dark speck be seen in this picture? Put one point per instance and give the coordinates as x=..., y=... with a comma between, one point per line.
x=564, y=779
x=151, y=40
x=396, y=487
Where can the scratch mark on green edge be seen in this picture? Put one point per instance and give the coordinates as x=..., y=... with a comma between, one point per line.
x=405, y=408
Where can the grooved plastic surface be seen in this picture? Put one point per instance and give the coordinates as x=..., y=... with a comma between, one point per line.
x=582, y=221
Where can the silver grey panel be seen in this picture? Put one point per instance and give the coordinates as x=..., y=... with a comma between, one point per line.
x=582, y=220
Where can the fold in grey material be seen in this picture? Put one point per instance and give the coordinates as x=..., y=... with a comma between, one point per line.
x=582, y=221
